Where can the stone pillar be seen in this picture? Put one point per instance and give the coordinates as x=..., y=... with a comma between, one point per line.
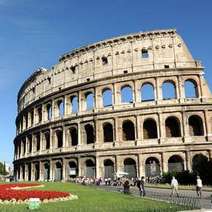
x=188, y=161
x=116, y=94
x=64, y=137
x=97, y=128
x=51, y=170
x=64, y=164
x=41, y=164
x=141, y=168
x=138, y=130
x=51, y=137
x=164, y=162
x=162, y=128
x=80, y=108
x=158, y=91
x=32, y=171
x=98, y=168
x=119, y=164
x=79, y=133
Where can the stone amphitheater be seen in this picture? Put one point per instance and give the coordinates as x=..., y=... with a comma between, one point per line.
x=137, y=103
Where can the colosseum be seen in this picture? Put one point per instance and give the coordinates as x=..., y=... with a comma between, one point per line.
x=137, y=103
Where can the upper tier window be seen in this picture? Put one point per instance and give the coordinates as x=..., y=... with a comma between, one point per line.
x=126, y=94
x=144, y=53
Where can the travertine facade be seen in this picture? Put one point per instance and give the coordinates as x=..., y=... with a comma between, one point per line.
x=117, y=105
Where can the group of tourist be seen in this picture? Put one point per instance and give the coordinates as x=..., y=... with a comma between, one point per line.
x=140, y=183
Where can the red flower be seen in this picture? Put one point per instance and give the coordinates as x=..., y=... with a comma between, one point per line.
x=8, y=192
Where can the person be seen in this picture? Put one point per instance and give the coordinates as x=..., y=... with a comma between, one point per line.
x=126, y=187
x=142, y=186
x=199, y=187
x=174, y=185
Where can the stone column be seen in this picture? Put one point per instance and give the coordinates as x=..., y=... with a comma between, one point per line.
x=164, y=162
x=32, y=171
x=98, y=167
x=64, y=164
x=79, y=133
x=158, y=91
x=64, y=138
x=51, y=170
x=188, y=161
x=162, y=128
x=141, y=169
x=41, y=164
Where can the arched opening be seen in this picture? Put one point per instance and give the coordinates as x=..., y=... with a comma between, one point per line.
x=126, y=94
x=73, y=136
x=108, y=132
x=47, y=140
x=59, y=138
x=37, y=171
x=175, y=164
x=39, y=113
x=108, y=169
x=49, y=112
x=147, y=92
x=90, y=135
x=74, y=104
x=195, y=126
x=169, y=90
x=37, y=136
x=200, y=165
x=58, y=171
x=191, y=90
x=90, y=168
x=152, y=167
x=172, y=127
x=29, y=171
x=128, y=130
x=73, y=171
x=23, y=172
x=150, y=129
x=30, y=143
x=130, y=167
x=89, y=101
x=107, y=97
x=47, y=171
x=60, y=105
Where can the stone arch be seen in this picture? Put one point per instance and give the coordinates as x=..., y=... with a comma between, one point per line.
x=46, y=171
x=169, y=90
x=108, y=132
x=152, y=167
x=147, y=92
x=175, y=163
x=126, y=94
x=173, y=128
x=150, y=129
x=107, y=97
x=73, y=170
x=37, y=171
x=49, y=111
x=74, y=104
x=195, y=125
x=190, y=88
x=199, y=164
x=90, y=167
x=128, y=130
x=60, y=106
x=73, y=136
x=89, y=96
x=90, y=134
x=58, y=171
x=47, y=140
x=59, y=138
x=108, y=168
x=130, y=167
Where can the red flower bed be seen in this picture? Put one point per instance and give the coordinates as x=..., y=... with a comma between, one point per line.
x=17, y=192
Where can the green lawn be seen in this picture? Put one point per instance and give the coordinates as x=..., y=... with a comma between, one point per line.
x=92, y=199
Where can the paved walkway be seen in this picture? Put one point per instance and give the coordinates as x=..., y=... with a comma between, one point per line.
x=186, y=196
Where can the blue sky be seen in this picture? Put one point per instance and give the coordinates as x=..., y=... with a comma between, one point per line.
x=35, y=33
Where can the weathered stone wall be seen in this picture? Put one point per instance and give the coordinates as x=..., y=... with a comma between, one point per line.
x=132, y=60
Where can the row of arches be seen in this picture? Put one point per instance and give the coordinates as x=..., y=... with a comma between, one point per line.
x=147, y=93
x=149, y=130
x=152, y=168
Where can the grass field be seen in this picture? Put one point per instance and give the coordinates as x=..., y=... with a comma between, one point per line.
x=92, y=199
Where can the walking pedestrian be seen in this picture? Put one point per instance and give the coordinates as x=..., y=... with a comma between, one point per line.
x=142, y=186
x=199, y=187
x=174, y=185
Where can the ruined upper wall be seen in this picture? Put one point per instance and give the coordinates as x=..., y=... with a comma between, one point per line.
x=165, y=48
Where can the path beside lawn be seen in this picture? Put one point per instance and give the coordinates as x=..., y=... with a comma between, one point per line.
x=92, y=199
